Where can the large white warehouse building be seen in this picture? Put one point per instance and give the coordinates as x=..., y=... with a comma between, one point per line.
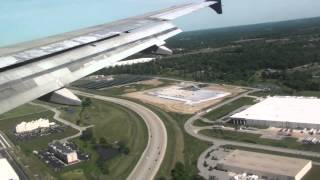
x=283, y=112
x=24, y=127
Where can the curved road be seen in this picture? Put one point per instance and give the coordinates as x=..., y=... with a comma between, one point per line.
x=152, y=157
x=57, y=117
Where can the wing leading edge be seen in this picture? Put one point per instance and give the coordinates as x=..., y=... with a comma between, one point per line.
x=34, y=69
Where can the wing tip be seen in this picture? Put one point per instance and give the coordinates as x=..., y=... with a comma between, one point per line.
x=217, y=6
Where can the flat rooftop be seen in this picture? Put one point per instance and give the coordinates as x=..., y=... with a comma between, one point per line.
x=6, y=170
x=273, y=164
x=285, y=109
x=190, y=94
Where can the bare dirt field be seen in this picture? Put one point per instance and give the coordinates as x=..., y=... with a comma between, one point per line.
x=182, y=107
x=152, y=82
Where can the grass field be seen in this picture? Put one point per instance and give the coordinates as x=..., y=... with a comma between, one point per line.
x=114, y=123
x=127, y=89
x=228, y=108
x=118, y=91
x=201, y=123
x=313, y=174
x=308, y=93
x=255, y=139
x=21, y=111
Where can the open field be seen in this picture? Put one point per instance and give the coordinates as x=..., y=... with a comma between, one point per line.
x=201, y=123
x=182, y=107
x=255, y=139
x=100, y=82
x=228, y=108
x=128, y=88
x=22, y=111
x=313, y=174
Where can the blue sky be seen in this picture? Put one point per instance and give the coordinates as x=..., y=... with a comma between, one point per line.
x=23, y=20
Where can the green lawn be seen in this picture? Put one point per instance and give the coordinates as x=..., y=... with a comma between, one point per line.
x=307, y=93
x=118, y=91
x=228, y=108
x=294, y=93
x=255, y=139
x=313, y=174
x=127, y=89
x=201, y=123
x=21, y=111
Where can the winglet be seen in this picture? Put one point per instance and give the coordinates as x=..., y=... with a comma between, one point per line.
x=217, y=6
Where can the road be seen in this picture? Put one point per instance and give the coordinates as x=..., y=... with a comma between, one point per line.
x=152, y=157
x=193, y=131
x=5, y=148
x=58, y=118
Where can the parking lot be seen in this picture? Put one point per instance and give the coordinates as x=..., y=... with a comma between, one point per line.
x=208, y=161
x=39, y=132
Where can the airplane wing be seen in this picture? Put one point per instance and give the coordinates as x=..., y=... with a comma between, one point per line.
x=44, y=67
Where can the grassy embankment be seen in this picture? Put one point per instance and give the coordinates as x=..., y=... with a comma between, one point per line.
x=228, y=108
x=288, y=142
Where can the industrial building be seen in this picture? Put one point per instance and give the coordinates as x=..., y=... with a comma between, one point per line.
x=282, y=112
x=63, y=152
x=6, y=170
x=25, y=127
x=266, y=166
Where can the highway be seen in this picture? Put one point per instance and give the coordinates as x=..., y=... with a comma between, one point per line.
x=5, y=148
x=193, y=131
x=153, y=155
